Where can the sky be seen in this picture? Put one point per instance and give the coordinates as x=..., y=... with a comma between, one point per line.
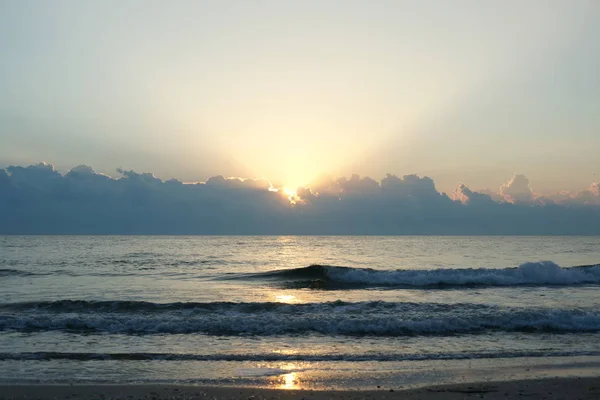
x=465, y=92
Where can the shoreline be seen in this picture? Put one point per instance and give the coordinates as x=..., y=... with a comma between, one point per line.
x=545, y=388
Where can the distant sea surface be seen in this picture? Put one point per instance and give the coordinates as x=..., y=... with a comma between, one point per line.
x=293, y=311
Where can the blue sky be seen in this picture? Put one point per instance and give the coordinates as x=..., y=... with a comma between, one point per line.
x=464, y=91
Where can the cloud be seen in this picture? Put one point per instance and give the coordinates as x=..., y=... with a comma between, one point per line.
x=84, y=171
x=358, y=186
x=590, y=196
x=38, y=199
x=39, y=176
x=517, y=190
x=238, y=183
x=466, y=196
x=4, y=178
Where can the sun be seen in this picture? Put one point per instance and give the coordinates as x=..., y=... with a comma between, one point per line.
x=291, y=193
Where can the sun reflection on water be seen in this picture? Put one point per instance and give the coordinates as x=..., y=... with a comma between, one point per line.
x=287, y=381
x=290, y=381
x=286, y=298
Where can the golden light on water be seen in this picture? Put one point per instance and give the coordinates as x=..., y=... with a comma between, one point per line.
x=286, y=298
x=288, y=381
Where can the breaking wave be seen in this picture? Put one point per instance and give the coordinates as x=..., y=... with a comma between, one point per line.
x=264, y=319
x=542, y=273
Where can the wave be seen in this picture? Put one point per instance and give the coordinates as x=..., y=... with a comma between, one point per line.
x=274, y=357
x=8, y=272
x=162, y=262
x=542, y=273
x=14, y=272
x=125, y=306
x=264, y=319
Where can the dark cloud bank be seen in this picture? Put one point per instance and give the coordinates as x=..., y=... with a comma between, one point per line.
x=39, y=200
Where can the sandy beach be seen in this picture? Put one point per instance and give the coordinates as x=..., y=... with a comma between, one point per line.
x=558, y=388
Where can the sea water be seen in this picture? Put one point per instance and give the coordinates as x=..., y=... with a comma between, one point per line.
x=296, y=312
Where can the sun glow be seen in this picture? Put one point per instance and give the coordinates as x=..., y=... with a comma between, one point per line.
x=289, y=192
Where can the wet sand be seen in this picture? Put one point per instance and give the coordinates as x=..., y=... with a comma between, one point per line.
x=555, y=388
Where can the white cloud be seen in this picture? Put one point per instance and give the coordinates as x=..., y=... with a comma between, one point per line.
x=517, y=190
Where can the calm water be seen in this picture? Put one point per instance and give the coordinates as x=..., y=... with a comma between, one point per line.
x=294, y=311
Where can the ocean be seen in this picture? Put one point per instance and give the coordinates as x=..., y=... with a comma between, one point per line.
x=297, y=311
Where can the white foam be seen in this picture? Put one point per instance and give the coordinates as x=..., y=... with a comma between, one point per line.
x=530, y=273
